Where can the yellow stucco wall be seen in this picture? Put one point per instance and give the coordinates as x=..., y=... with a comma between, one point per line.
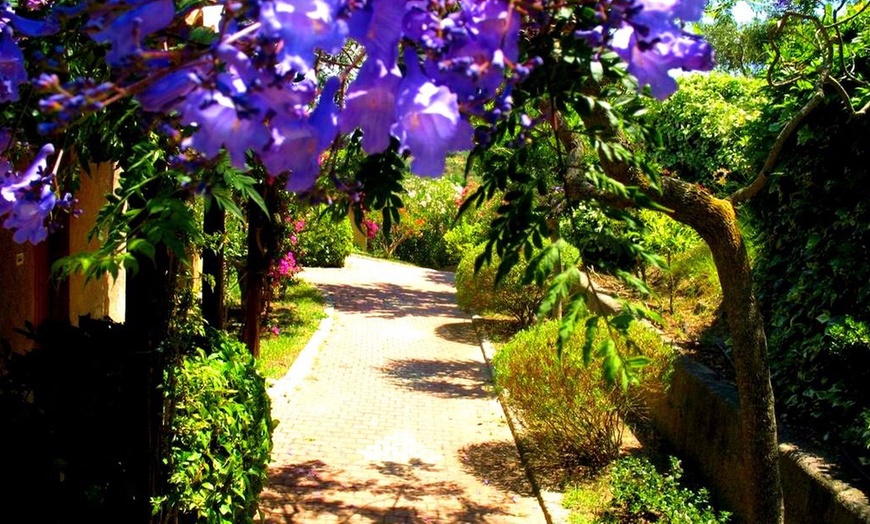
x=104, y=296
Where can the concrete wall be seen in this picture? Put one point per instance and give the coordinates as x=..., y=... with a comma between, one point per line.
x=698, y=416
x=104, y=296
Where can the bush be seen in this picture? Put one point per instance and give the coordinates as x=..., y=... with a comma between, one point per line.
x=642, y=494
x=220, y=437
x=429, y=208
x=427, y=249
x=565, y=406
x=324, y=241
x=605, y=243
x=462, y=238
x=478, y=292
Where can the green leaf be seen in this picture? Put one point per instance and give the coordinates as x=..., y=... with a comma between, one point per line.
x=140, y=245
x=636, y=362
x=591, y=333
x=597, y=70
x=573, y=312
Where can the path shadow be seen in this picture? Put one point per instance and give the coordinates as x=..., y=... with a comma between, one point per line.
x=442, y=378
x=458, y=332
x=497, y=463
x=298, y=492
x=441, y=277
x=499, y=330
x=391, y=300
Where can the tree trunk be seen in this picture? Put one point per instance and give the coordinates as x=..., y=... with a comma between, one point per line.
x=715, y=221
x=252, y=301
x=261, y=244
x=149, y=303
x=213, y=309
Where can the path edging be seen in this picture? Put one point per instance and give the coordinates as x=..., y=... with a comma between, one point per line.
x=301, y=367
x=549, y=501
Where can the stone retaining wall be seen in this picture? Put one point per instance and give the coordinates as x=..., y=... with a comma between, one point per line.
x=698, y=416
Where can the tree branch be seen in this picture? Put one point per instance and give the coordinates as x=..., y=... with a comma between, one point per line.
x=745, y=193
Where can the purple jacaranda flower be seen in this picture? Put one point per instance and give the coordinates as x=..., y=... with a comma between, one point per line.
x=421, y=24
x=223, y=122
x=473, y=71
x=12, y=72
x=495, y=24
x=685, y=10
x=168, y=92
x=302, y=26
x=370, y=104
x=378, y=27
x=124, y=33
x=649, y=36
x=297, y=144
x=26, y=199
x=652, y=64
x=428, y=122
x=34, y=5
x=27, y=26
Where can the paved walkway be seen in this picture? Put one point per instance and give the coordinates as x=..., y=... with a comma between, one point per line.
x=396, y=421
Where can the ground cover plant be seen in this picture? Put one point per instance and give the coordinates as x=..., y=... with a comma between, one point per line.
x=634, y=490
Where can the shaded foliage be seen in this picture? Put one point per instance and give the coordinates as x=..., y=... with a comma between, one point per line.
x=75, y=414
x=814, y=242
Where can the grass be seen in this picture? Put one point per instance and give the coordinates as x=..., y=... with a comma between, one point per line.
x=589, y=499
x=297, y=317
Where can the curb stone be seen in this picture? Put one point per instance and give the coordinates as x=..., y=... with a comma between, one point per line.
x=301, y=367
x=550, y=501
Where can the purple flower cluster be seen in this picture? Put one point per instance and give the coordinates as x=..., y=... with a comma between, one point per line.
x=27, y=198
x=12, y=26
x=649, y=36
x=425, y=69
x=256, y=91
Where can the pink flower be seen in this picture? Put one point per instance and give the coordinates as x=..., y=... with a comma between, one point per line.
x=275, y=330
x=371, y=228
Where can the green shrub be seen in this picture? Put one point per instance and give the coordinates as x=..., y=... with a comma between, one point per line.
x=642, y=494
x=605, y=243
x=478, y=292
x=428, y=209
x=462, y=238
x=427, y=249
x=472, y=228
x=220, y=437
x=324, y=241
x=565, y=406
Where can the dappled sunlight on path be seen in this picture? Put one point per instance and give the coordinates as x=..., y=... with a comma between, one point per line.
x=397, y=421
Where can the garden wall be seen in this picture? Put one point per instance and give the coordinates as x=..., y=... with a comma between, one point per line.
x=698, y=416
